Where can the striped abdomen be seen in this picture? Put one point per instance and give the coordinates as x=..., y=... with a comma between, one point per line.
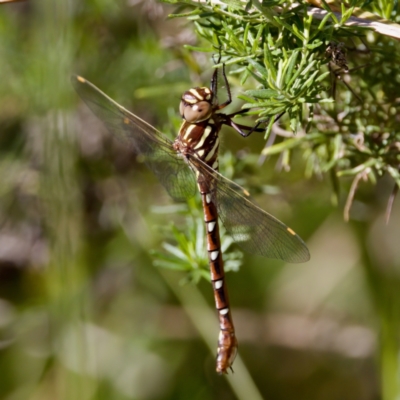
x=227, y=343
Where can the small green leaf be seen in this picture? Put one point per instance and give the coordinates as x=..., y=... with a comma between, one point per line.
x=262, y=93
x=258, y=67
x=178, y=253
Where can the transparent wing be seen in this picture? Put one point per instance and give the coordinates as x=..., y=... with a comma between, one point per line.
x=157, y=151
x=256, y=231
x=253, y=229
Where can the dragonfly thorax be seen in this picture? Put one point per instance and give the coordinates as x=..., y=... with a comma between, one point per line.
x=196, y=104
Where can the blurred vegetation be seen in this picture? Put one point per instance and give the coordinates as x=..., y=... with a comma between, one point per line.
x=86, y=312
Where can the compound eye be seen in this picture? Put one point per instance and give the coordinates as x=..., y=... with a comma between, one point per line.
x=195, y=112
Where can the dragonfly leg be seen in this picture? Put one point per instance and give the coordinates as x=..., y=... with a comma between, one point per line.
x=228, y=89
x=242, y=128
x=214, y=85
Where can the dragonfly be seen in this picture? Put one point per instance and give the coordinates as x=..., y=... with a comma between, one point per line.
x=190, y=164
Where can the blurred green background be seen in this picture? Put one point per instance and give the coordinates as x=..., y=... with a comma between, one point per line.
x=85, y=314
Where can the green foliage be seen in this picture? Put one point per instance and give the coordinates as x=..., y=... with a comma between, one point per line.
x=344, y=122
x=188, y=252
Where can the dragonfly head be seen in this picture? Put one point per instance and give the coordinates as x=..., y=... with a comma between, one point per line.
x=196, y=105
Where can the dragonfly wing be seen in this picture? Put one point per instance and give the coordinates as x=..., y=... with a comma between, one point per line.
x=156, y=150
x=256, y=231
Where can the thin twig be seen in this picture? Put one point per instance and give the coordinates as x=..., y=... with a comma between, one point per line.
x=352, y=191
x=390, y=203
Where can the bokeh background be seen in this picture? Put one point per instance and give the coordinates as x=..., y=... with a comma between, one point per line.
x=86, y=312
